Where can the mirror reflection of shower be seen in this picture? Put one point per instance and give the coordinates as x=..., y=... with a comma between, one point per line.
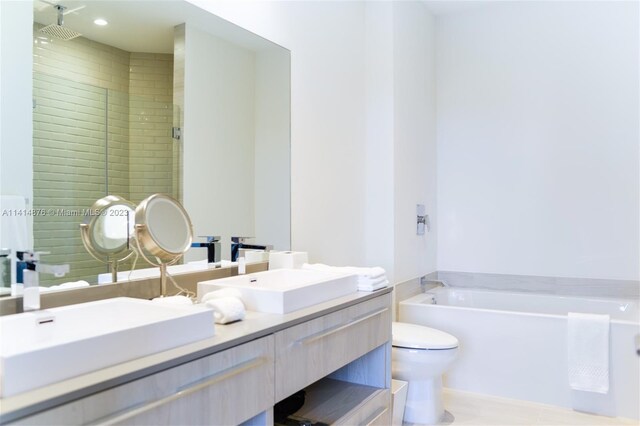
x=102, y=122
x=58, y=30
x=104, y=111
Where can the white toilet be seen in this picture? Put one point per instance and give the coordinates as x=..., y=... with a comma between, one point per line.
x=420, y=356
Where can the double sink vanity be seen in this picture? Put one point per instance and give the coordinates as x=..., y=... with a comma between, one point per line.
x=133, y=361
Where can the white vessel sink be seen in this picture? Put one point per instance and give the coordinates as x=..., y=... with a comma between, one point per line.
x=281, y=291
x=43, y=347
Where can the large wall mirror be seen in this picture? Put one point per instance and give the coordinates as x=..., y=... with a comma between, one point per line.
x=164, y=98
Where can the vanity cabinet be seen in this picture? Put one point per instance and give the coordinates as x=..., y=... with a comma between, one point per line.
x=310, y=351
x=343, y=361
x=225, y=388
x=341, y=357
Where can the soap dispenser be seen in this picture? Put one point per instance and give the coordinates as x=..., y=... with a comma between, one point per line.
x=31, y=293
x=242, y=266
x=28, y=268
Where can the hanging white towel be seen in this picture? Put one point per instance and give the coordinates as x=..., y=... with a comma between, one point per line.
x=14, y=232
x=588, y=352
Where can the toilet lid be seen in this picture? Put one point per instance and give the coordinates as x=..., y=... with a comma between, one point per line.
x=420, y=337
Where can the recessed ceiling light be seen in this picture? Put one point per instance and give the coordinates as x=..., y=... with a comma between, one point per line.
x=101, y=22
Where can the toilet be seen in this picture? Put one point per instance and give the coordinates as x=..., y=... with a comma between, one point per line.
x=420, y=356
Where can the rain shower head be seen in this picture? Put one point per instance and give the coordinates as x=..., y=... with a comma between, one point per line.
x=58, y=30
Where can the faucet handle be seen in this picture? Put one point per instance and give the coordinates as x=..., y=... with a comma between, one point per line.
x=240, y=239
x=30, y=256
x=210, y=238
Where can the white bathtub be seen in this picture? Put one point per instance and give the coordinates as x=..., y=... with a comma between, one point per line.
x=514, y=345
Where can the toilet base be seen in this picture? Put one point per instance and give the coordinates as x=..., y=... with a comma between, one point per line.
x=424, y=402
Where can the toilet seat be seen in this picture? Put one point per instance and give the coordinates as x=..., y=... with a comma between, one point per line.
x=412, y=336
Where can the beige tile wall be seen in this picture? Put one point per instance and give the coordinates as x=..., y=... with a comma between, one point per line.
x=82, y=89
x=69, y=167
x=118, y=143
x=178, y=106
x=150, y=120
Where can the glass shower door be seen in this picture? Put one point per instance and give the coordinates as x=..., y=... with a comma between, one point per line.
x=69, y=170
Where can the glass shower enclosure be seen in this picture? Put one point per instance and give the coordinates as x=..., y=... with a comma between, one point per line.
x=89, y=142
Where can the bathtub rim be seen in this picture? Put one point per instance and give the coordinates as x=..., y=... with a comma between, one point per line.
x=419, y=300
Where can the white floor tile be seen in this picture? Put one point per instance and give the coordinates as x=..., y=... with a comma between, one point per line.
x=464, y=408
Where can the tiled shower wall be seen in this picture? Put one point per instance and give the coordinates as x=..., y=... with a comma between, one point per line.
x=68, y=167
x=150, y=118
x=95, y=101
x=178, y=105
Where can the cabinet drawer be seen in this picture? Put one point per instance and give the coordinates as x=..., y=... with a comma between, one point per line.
x=311, y=350
x=374, y=411
x=382, y=419
x=197, y=392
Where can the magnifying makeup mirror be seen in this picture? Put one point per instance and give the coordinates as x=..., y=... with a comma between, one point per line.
x=163, y=232
x=106, y=229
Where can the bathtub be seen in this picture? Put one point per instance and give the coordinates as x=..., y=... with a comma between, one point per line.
x=514, y=345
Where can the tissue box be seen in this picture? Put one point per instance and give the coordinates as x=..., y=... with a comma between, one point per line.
x=287, y=259
x=252, y=256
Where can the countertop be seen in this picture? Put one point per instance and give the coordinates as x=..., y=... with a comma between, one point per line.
x=254, y=326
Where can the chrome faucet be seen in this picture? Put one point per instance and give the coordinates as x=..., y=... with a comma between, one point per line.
x=238, y=243
x=212, y=245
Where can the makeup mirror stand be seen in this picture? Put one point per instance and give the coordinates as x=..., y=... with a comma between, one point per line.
x=162, y=265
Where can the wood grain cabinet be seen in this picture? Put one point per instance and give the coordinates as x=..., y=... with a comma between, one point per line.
x=225, y=388
x=342, y=359
x=310, y=351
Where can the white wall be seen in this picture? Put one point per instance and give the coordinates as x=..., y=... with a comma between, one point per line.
x=219, y=93
x=538, y=150
x=16, y=88
x=414, y=138
x=343, y=96
x=379, y=244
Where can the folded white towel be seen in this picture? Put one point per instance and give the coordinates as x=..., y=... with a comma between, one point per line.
x=74, y=284
x=371, y=282
x=588, y=352
x=374, y=272
x=373, y=287
x=223, y=292
x=226, y=309
x=63, y=286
